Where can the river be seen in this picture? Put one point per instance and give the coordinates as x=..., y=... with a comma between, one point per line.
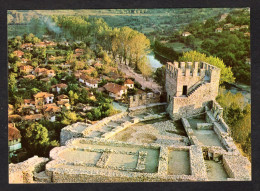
x=155, y=63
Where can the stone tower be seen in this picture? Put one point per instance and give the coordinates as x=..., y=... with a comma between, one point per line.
x=190, y=87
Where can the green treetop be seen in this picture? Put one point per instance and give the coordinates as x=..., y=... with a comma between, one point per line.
x=194, y=56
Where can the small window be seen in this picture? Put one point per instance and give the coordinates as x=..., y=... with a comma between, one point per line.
x=184, y=91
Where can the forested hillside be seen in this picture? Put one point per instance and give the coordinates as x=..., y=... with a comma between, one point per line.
x=227, y=39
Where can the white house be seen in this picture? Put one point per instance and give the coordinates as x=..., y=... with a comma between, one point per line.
x=129, y=83
x=92, y=83
x=115, y=91
x=42, y=98
x=89, y=82
x=58, y=87
x=186, y=34
x=14, y=139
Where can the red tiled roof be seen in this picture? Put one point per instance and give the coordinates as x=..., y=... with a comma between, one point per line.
x=185, y=33
x=78, y=50
x=62, y=96
x=28, y=101
x=40, y=70
x=26, y=45
x=29, y=77
x=114, y=88
x=247, y=34
x=52, y=108
x=98, y=64
x=13, y=132
x=129, y=81
x=62, y=102
x=32, y=117
x=43, y=94
x=26, y=67
x=42, y=44
x=60, y=85
x=18, y=53
x=92, y=81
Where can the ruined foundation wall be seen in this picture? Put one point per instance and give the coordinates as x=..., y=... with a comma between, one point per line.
x=23, y=172
x=143, y=99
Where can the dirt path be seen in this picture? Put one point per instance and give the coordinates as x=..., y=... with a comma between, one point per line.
x=149, y=83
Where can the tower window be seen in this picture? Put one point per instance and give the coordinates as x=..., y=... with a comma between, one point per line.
x=184, y=90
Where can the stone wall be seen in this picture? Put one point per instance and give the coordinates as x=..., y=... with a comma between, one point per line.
x=103, y=122
x=237, y=167
x=197, y=163
x=79, y=172
x=24, y=172
x=158, y=107
x=144, y=99
x=71, y=131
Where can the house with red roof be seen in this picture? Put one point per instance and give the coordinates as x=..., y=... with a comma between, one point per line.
x=50, y=111
x=247, y=34
x=115, y=91
x=186, y=34
x=98, y=65
x=26, y=69
x=244, y=27
x=30, y=77
x=79, y=52
x=88, y=81
x=27, y=46
x=58, y=87
x=129, y=83
x=43, y=98
x=10, y=109
x=218, y=29
x=14, y=139
x=44, y=72
x=18, y=53
x=40, y=45
x=33, y=117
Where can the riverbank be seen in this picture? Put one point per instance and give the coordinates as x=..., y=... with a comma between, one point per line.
x=235, y=88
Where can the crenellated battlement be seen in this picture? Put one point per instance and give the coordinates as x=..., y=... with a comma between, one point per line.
x=194, y=69
x=190, y=86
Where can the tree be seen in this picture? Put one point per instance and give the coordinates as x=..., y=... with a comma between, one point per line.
x=96, y=113
x=194, y=56
x=210, y=23
x=37, y=139
x=159, y=75
x=73, y=97
x=69, y=56
x=144, y=67
x=238, y=116
x=69, y=118
x=12, y=82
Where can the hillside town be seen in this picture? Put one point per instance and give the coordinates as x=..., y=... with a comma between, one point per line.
x=68, y=83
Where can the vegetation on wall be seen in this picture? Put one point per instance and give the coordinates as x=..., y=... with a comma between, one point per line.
x=237, y=115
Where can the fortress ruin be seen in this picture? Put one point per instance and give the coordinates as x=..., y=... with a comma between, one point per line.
x=190, y=87
x=144, y=145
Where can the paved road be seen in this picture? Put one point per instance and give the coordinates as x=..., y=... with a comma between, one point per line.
x=146, y=83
